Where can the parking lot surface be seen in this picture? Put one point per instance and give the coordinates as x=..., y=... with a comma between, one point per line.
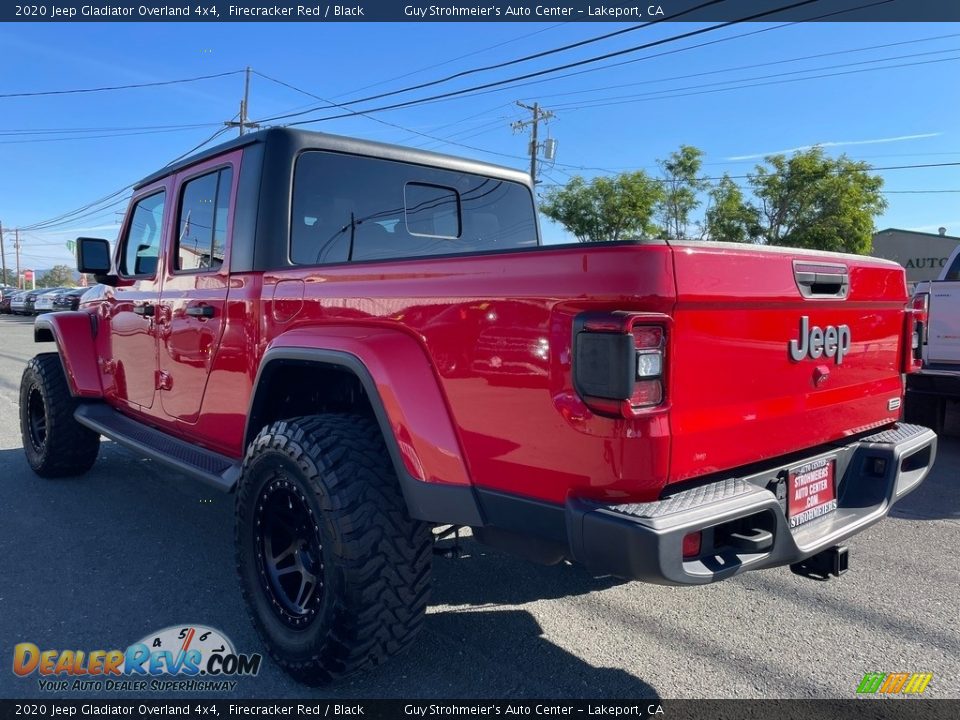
x=100, y=561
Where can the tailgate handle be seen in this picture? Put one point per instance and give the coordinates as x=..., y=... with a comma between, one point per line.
x=821, y=280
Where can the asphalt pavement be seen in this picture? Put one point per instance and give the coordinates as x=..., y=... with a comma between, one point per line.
x=100, y=561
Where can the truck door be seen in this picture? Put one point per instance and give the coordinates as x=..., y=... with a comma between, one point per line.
x=196, y=283
x=943, y=336
x=131, y=314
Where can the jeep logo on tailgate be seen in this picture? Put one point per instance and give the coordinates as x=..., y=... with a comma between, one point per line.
x=832, y=341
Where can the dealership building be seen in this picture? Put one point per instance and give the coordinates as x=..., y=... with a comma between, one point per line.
x=922, y=254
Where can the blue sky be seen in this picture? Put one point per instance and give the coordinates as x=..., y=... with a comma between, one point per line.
x=897, y=116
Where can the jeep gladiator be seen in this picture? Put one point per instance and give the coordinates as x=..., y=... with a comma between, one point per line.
x=365, y=343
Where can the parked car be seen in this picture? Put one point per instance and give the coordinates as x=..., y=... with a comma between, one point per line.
x=45, y=298
x=95, y=295
x=69, y=299
x=6, y=295
x=18, y=302
x=30, y=301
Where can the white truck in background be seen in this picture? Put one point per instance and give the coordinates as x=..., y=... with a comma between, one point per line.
x=939, y=381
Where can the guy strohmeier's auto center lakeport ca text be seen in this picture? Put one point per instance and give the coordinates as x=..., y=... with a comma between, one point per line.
x=349, y=11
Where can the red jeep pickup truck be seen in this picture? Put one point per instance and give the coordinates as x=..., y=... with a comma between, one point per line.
x=364, y=342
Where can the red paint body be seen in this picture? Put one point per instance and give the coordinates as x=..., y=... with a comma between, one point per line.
x=472, y=357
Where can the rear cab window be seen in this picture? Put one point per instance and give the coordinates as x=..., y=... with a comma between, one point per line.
x=352, y=208
x=201, y=238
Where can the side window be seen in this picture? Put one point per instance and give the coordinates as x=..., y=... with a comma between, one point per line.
x=347, y=207
x=142, y=246
x=954, y=272
x=202, y=222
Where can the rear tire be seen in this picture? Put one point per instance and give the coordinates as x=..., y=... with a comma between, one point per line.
x=335, y=573
x=55, y=444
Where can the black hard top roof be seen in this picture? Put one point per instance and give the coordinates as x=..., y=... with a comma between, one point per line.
x=307, y=140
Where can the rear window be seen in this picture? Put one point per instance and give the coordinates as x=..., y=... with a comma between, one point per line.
x=356, y=208
x=954, y=272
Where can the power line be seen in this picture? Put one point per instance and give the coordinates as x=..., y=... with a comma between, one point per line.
x=768, y=64
x=97, y=137
x=687, y=48
x=664, y=94
x=107, y=88
x=868, y=168
x=331, y=103
x=525, y=36
x=60, y=131
x=97, y=206
x=507, y=63
x=539, y=73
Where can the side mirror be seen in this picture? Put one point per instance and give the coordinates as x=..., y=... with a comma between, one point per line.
x=93, y=257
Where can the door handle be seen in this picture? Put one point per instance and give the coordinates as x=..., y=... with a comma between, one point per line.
x=204, y=311
x=146, y=309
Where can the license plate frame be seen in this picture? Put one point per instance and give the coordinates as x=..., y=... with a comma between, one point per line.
x=811, y=491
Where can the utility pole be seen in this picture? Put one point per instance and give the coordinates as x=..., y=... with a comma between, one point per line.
x=538, y=114
x=244, y=123
x=16, y=246
x=3, y=258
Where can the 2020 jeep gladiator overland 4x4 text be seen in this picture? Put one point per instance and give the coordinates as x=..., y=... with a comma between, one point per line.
x=364, y=341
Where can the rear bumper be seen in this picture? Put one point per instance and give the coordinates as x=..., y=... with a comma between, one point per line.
x=644, y=541
x=742, y=518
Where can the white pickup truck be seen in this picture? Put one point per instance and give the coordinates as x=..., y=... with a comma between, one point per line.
x=939, y=381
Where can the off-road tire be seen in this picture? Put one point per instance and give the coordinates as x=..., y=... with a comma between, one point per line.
x=55, y=444
x=375, y=569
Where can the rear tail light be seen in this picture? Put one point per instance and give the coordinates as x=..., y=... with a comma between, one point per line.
x=648, y=389
x=916, y=331
x=619, y=362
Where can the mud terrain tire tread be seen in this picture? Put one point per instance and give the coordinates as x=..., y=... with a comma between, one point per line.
x=377, y=559
x=69, y=449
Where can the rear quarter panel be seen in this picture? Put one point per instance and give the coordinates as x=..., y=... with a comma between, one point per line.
x=495, y=334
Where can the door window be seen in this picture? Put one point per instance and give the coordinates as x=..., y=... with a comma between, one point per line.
x=202, y=225
x=142, y=246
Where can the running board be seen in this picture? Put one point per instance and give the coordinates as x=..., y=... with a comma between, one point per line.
x=212, y=468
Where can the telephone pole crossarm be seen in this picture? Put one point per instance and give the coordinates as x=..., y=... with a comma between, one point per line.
x=538, y=114
x=244, y=123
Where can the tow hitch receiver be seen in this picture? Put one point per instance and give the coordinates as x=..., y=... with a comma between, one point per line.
x=832, y=561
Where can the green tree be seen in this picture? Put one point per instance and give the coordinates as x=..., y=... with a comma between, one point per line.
x=606, y=208
x=730, y=217
x=10, y=278
x=57, y=276
x=810, y=200
x=682, y=186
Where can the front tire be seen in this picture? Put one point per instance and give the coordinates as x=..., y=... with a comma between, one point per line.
x=55, y=444
x=335, y=573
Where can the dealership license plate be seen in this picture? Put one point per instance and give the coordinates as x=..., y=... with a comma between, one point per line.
x=811, y=491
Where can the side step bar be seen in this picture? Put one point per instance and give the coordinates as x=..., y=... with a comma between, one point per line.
x=218, y=470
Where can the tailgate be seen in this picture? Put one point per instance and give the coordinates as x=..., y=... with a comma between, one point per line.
x=943, y=336
x=778, y=350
